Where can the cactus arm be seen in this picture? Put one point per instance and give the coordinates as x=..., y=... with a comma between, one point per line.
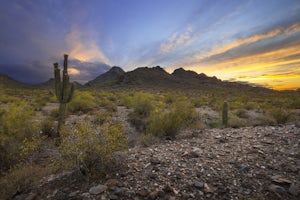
x=58, y=91
x=64, y=91
x=71, y=92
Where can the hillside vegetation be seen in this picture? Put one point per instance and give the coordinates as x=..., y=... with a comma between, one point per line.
x=107, y=117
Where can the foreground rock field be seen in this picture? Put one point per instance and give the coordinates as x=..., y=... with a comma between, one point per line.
x=244, y=163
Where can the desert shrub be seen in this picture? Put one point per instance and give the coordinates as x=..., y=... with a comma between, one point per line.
x=91, y=146
x=147, y=140
x=108, y=105
x=168, y=122
x=21, y=179
x=200, y=101
x=142, y=107
x=236, y=122
x=83, y=101
x=101, y=117
x=280, y=115
x=54, y=113
x=241, y=113
x=41, y=99
x=16, y=125
x=48, y=127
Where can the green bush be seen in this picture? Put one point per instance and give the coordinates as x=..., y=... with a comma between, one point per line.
x=21, y=179
x=16, y=125
x=48, y=127
x=147, y=140
x=83, y=101
x=242, y=113
x=142, y=105
x=168, y=122
x=91, y=146
x=101, y=117
x=280, y=115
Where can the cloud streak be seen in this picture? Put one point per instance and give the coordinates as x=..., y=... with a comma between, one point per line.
x=255, y=38
x=84, y=48
x=177, y=40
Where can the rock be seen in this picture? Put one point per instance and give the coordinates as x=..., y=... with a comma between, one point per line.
x=31, y=196
x=73, y=194
x=196, y=152
x=246, y=169
x=86, y=195
x=113, y=197
x=278, y=179
x=154, y=161
x=120, y=191
x=143, y=193
x=294, y=190
x=112, y=183
x=198, y=184
x=278, y=190
x=155, y=194
x=97, y=189
x=208, y=189
x=129, y=193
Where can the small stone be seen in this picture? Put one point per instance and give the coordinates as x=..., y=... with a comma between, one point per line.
x=172, y=198
x=97, y=189
x=154, y=161
x=120, y=191
x=31, y=196
x=129, y=193
x=198, y=184
x=278, y=190
x=207, y=188
x=113, y=197
x=73, y=194
x=278, y=179
x=143, y=193
x=155, y=194
x=294, y=190
x=86, y=195
x=112, y=183
x=246, y=169
x=196, y=152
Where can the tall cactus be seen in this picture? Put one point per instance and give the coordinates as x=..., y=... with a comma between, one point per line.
x=64, y=92
x=225, y=114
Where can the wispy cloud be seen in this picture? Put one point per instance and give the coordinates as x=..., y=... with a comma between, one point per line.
x=84, y=48
x=177, y=40
x=255, y=38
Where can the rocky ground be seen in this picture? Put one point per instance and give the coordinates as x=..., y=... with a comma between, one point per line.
x=244, y=163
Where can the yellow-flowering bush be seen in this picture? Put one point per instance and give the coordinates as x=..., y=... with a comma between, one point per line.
x=169, y=121
x=16, y=125
x=91, y=146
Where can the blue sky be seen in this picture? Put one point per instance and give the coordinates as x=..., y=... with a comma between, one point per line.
x=240, y=40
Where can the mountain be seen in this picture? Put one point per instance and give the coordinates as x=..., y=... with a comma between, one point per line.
x=9, y=82
x=46, y=85
x=158, y=78
x=111, y=77
x=149, y=77
x=51, y=83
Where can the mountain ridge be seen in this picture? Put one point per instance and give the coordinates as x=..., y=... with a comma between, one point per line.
x=145, y=78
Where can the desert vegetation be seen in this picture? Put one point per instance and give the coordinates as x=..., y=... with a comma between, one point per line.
x=94, y=133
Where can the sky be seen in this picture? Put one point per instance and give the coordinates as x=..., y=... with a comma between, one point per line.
x=249, y=41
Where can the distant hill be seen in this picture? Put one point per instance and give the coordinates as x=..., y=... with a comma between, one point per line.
x=152, y=78
x=51, y=83
x=110, y=78
x=158, y=78
x=9, y=82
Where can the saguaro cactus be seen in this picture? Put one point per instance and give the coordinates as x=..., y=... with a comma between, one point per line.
x=225, y=114
x=64, y=92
